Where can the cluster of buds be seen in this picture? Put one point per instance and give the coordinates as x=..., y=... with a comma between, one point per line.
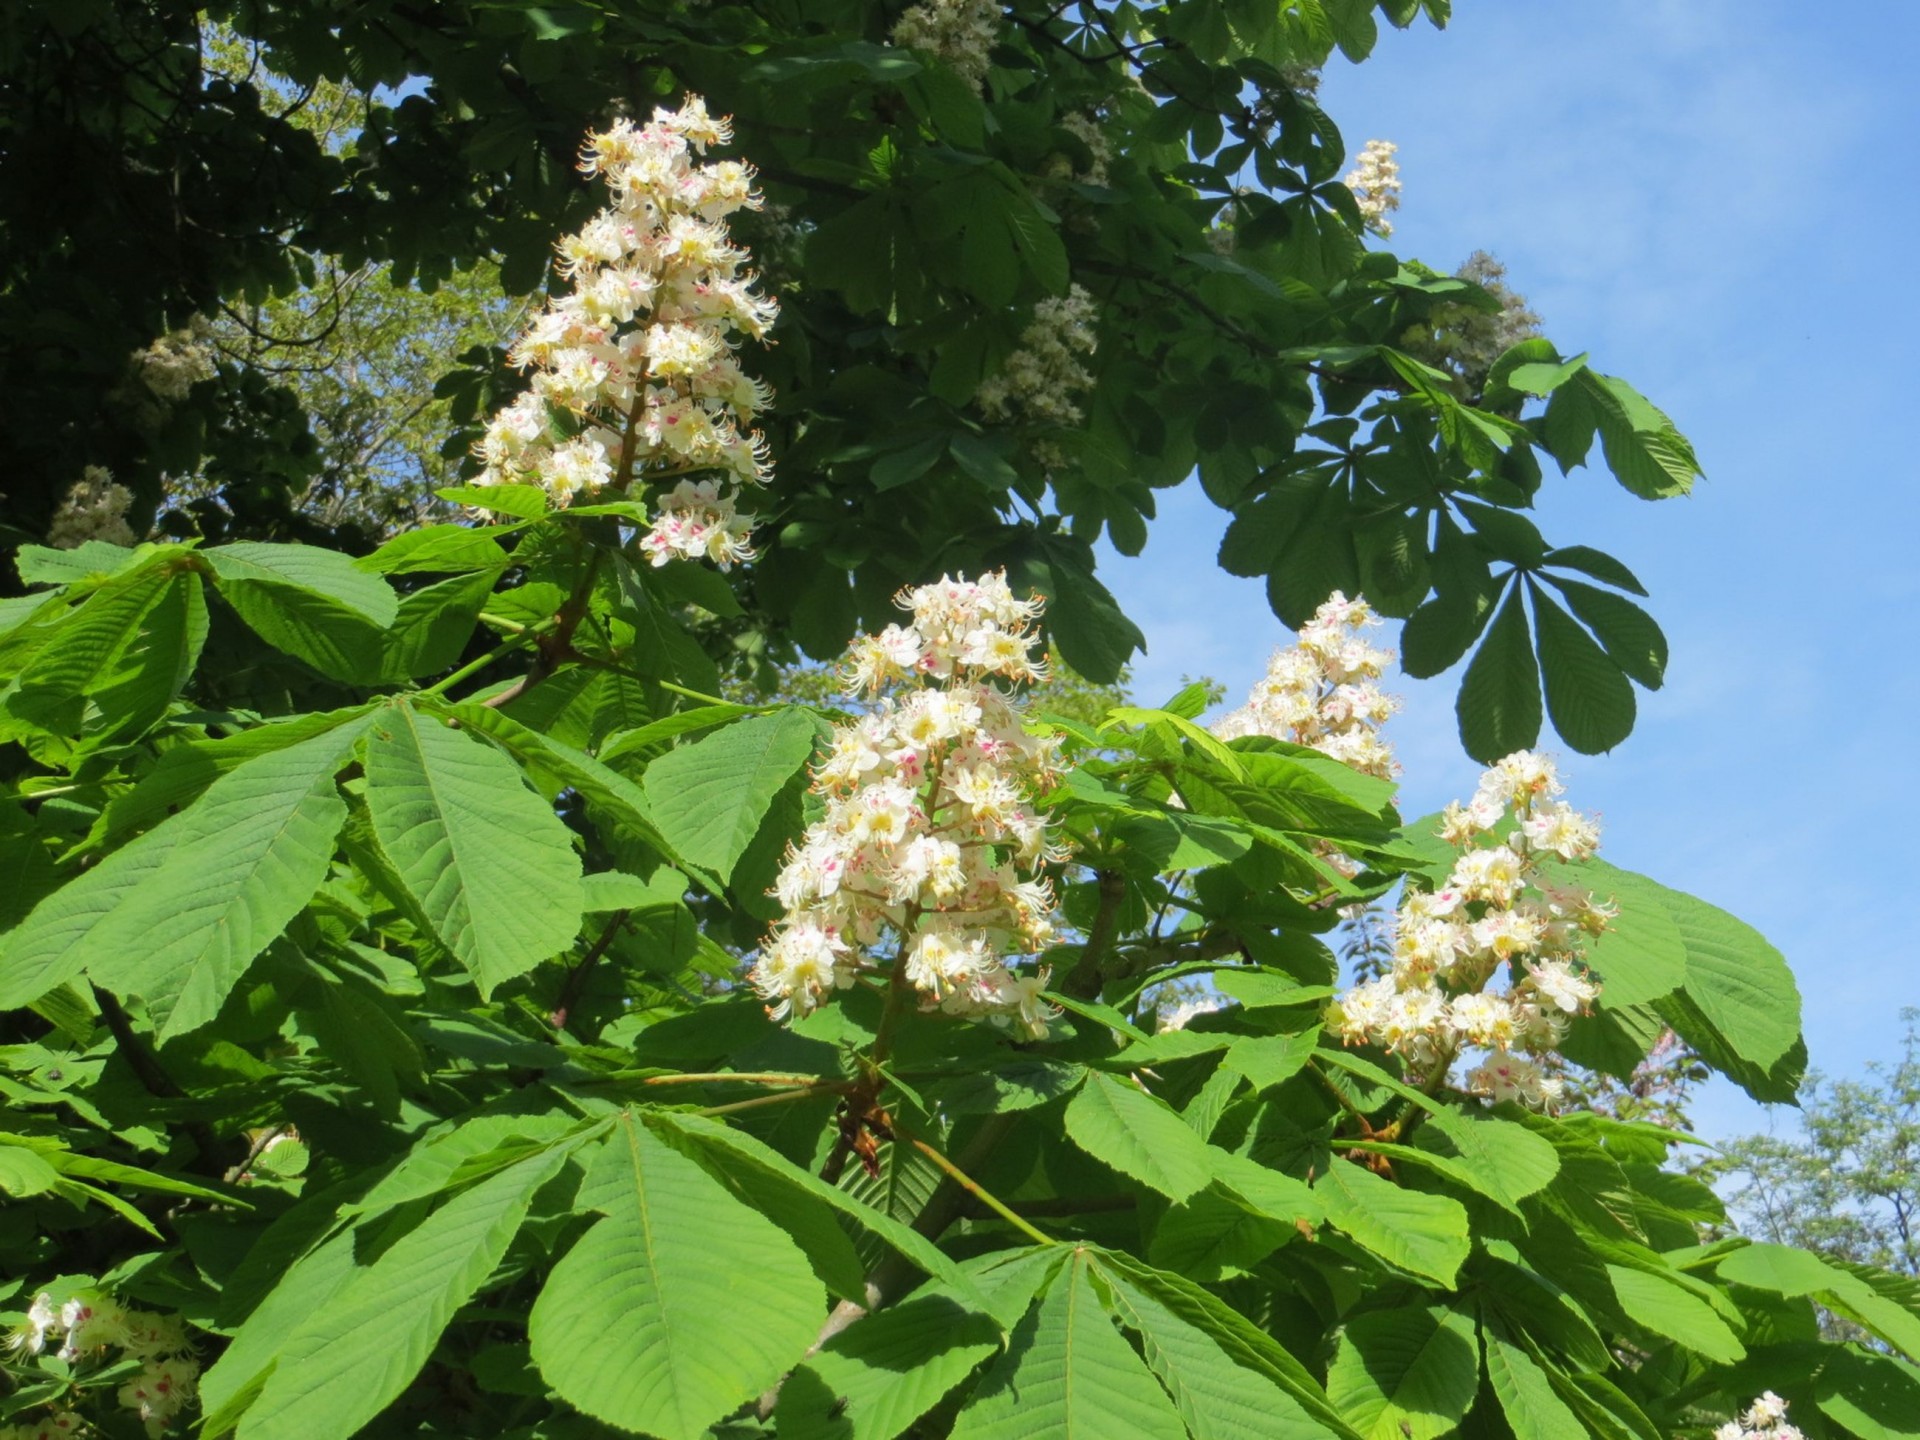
x=931, y=845
x=90, y=1323
x=94, y=509
x=1042, y=381
x=634, y=372
x=1496, y=912
x=1765, y=1419
x=1375, y=183
x=960, y=32
x=1321, y=692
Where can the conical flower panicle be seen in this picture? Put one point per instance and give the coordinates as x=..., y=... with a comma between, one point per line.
x=635, y=379
x=929, y=861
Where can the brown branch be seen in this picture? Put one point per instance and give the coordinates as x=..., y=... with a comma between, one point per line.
x=152, y=1075
x=576, y=980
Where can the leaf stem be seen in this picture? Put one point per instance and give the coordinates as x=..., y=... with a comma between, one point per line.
x=974, y=1188
x=522, y=636
x=738, y=1077
x=837, y=1087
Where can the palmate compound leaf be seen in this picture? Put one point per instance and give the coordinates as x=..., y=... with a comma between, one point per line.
x=487, y=861
x=177, y=915
x=678, y=1306
x=1068, y=1374
x=708, y=798
x=368, y=1337
x=1405, y=1374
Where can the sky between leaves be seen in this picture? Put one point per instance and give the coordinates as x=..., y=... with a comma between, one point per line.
x=1714, y=198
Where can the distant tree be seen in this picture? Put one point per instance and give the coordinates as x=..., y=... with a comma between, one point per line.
x=1848, y=1185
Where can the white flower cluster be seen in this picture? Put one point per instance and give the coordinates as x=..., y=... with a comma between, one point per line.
x=1043, y=378
x=95, y=509
x=1495, y=910
x=1084, y=126
x=1321, y=692
x=88, y=1324
x=931, y=841
x=172, y=365
x=1765, y=1419
x=1375, y=182
x=634, y=369
x=960, y=32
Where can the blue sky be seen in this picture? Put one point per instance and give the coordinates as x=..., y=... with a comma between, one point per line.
x=1714, y=199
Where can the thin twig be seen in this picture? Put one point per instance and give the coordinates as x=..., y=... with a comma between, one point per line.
x=576, y=980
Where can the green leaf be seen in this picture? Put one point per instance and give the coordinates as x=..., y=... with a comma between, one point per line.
x=1441, y=631
x=23, y=1172
x=44, y=565
x=1738, y=981
x=1645, y=452
x=1597, y=563
x=1068, y=1374
x=315, y=604
x=1267, y=1060
x=318, y=571
x=790, y=1191
x=1784, y=1270
x=1526, y=1395
x=1239, y=1339
x=1405, y=1374
x=528, y=502
x=1122, y=1126
x=708, y=798
x=355, y=1353
x=487, y=861
x=1499, y=701
x=1631, y=638
x=1668, y=1309
x=1216, y=1399
x=178, y=915
x=677, y=1307
x=1423, y=1234
x=1590, y=700
x=1642, y=955
x=876, y=1377
x=433, y=626
x=1538, y=377
x=113, y=652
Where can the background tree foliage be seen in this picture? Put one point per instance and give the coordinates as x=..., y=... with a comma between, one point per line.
x=444, y=854
x=1167, y=160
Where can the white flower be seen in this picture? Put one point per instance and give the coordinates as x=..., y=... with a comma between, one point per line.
x=1555, y=982
x=161, y=1390
x=1560, y=828
x=30, y=1336
x=1375, y=182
